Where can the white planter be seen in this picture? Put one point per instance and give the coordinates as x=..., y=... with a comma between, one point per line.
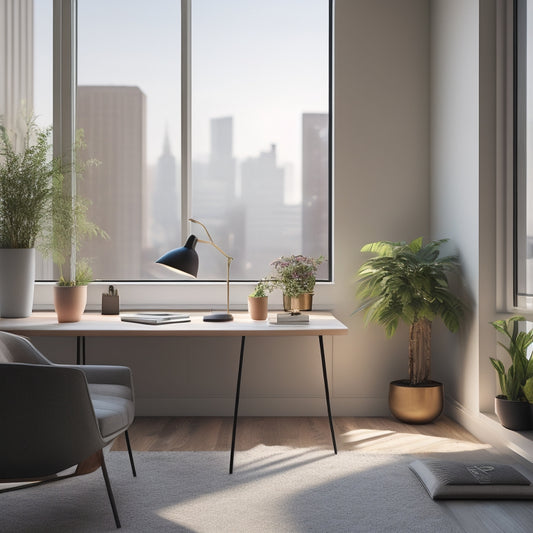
x=17, y=280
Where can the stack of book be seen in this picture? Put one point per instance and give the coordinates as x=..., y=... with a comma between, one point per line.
x=290, y=319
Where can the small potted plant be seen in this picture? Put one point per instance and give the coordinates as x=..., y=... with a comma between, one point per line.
x=258, y=300
x=69, y=226
x=408, y=282
x=516, y=383
x=295, y=275
x=26, y=175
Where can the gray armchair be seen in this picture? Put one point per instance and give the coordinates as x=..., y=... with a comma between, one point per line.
x=55, y=417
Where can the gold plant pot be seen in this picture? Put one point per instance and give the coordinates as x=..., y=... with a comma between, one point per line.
x=303, y=301
x=420, y=404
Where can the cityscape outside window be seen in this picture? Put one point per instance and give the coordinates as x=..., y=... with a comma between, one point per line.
x=260, y=93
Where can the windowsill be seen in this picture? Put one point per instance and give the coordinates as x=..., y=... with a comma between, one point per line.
x=520, y=442
x=185, y=295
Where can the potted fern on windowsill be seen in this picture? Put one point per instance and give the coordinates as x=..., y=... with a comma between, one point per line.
x=27, y=172
x=68, y=228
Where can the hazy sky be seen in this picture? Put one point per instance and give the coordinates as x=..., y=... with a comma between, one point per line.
x=264, y=63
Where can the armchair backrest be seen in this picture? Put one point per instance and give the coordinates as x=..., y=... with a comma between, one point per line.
x=16, y=349
x=47, y=420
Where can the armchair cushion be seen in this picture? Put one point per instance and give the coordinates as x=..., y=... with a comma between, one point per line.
x=113, y=408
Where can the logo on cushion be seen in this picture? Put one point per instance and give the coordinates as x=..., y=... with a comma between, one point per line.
x=481, y=472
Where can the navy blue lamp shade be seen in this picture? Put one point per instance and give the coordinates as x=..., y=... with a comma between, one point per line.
x=184, y=259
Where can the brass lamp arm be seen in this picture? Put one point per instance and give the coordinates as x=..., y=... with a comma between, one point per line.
x=210, y=241
x=230, y=259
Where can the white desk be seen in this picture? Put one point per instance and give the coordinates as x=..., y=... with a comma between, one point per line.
x=96, y=325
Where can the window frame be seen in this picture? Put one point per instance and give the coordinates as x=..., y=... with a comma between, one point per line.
x=157, y=294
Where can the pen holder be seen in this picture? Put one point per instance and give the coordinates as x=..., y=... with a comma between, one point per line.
x=110, y=304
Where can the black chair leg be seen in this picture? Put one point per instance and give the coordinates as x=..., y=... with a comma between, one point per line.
x=130, y=454
x=110, y=492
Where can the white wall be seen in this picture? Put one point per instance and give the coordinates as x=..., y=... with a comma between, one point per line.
x=381, y=164
x=463, y=184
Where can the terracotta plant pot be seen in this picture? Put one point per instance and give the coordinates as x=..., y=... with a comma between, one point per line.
x=513, y=415
x=416, y=404
x=70, y=302
x=258, y=307
x=304, y=302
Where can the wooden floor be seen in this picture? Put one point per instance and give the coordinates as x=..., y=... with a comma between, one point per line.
x=443, y=438
x=380, y=435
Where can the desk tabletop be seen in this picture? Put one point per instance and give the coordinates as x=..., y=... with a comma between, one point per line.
x=97, y=325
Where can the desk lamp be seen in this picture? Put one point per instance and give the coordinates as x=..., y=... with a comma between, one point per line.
x=185, y=261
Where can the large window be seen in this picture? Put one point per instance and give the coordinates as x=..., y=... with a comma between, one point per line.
x=523, y=153
x=256, y=166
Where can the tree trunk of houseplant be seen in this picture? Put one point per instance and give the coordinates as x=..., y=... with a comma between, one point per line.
x=417, y=400
x=17, y=280
x=420, y=351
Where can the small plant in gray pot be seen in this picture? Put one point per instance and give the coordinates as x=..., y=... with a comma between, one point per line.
x=516, y=382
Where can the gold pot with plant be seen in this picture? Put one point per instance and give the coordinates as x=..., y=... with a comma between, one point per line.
x=407, y=282
x=69, y=227
x=27, y=173
x=295, y=275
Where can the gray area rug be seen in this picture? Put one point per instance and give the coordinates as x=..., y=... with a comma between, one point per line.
x=272, y=489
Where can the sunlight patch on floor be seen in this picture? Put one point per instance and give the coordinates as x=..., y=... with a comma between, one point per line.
x=397, y=442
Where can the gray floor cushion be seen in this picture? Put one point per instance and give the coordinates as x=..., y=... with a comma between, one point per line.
x=453, y=480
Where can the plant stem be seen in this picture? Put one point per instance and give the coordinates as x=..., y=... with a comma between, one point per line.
x=420, y=351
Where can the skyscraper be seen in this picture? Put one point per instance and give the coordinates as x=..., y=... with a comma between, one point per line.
x=271, y=226
x=114, y=122
x=165, y=202
x=214, y=200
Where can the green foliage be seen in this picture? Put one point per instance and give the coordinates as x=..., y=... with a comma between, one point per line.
x=513, y=381
x=528, y=390
x=296, y=274
x=68, y=226
x=263, y=288
x=26, y=182
x=407, y=282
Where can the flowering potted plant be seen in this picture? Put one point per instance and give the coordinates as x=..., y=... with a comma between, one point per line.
x=296, y=276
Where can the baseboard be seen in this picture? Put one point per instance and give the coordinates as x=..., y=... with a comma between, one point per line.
x=487, y=428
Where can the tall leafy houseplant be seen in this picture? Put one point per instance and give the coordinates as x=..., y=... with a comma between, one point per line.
x=27, y=173
x=407, y=282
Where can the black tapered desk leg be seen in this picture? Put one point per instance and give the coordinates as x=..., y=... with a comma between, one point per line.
x=236, y=412
x=324, y=371
x=80, y=350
